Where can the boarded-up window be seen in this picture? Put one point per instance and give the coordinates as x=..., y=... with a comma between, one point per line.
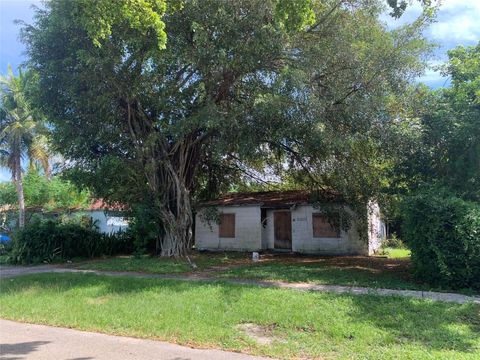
x=226, y=228
x=322, y=228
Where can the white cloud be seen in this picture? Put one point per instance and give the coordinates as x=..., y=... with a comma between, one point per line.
x=457, y=20
x=474, y=5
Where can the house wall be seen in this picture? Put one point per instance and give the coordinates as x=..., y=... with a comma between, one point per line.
x=252, y=235
x=106, y=223
x=248, y=230
x=348, y=243
x=303, y=240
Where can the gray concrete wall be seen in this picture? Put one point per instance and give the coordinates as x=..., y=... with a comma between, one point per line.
x=248, y=230
x=348, y=243
x=252, y=235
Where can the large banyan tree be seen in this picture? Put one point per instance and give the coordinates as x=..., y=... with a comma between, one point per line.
x=158, y=101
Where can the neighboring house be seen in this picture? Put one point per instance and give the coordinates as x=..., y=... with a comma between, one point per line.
x=108, y=218
x=283, y=221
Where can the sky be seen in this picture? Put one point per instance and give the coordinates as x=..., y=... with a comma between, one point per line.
x=457, y=24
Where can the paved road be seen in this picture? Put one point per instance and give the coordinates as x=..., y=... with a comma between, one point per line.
x=25, y=341
x=6, y=272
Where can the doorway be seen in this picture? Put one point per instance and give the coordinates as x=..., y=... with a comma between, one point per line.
x=282, y=224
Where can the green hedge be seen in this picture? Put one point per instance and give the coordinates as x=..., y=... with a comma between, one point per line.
x=49, y=240
x=443, y=233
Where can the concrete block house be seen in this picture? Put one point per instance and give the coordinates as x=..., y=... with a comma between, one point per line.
x=291, y=221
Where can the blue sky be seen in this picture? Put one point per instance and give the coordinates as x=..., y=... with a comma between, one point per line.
x=457, y=23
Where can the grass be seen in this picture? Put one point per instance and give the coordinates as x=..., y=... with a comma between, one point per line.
x=324, y=274
x=156, y=265
x=301, y=324
x=396, y=253
x=374, y=272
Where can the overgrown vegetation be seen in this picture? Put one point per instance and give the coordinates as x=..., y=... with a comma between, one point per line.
x=316, y=94
x=301, y=88
x=443, y=232
x=440, y=177
x=50, y=240
x=46, y=193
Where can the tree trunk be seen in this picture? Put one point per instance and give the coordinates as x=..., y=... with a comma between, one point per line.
x=176, y=216
x=177, y=238
x=18, y=179
x=169, y=168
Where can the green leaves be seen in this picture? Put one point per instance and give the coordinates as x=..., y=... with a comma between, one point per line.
x=102, y=18
x=446, y=138
x=41, y=192
x=297, y=87
x=442, y=231
x=294, y=15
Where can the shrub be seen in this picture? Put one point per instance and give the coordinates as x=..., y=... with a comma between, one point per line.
x=394, y=242
x=144, y=229
x=49, y=240
x=443, y=233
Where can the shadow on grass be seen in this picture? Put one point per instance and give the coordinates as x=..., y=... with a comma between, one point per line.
x=320, y=273
x=433, y=325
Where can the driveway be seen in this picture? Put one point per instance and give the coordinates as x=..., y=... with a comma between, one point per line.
x=26, y=341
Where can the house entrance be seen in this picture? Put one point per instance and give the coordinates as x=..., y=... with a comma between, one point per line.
x=282, y=224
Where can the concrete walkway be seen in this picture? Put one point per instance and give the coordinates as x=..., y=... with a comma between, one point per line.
x=26, y=341
x=6, y=272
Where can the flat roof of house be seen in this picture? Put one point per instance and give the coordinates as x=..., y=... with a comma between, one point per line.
x=275, y=198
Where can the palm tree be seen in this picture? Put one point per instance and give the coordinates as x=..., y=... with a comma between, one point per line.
x=21, y=135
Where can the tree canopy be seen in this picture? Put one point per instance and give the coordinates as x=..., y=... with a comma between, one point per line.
x=445, y=144
x=48, y=194
x=301, y=87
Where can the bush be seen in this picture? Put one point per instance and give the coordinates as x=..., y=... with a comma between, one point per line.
x=144, y=229
x=443, y=233
x=394, y=242
x=49, y=240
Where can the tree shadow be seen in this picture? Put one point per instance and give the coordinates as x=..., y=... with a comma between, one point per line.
x=434, y=325
x=24, y=348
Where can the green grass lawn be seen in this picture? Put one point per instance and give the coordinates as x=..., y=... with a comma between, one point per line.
x=395, y=253
x=300, y=324
x=158, y=265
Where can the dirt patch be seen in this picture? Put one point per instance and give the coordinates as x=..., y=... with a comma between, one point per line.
x=367, y=263
x=262, y=334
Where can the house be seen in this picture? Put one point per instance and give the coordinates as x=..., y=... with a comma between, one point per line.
x=107, y=218
x=294, y=221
